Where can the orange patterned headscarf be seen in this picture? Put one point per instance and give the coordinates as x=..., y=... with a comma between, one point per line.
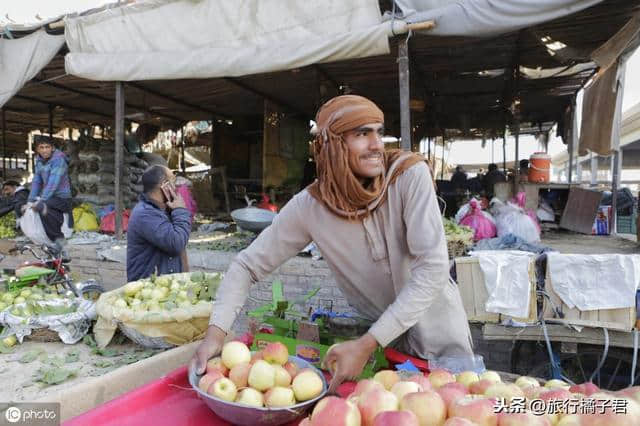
x=337, y=187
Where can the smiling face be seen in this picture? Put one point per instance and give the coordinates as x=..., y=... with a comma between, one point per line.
x=366, y=150
x=44, y=150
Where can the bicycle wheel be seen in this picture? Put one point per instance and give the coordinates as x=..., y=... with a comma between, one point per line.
x=91, y=291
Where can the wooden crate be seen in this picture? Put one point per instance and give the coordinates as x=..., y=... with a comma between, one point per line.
x=474, y=293
x=616, y=319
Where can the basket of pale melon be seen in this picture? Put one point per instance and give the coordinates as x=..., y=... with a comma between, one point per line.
x=268, y=387
x=469, y=399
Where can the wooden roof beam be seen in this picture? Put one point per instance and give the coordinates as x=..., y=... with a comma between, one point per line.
x=328, y=76
x=177, y=101
x=67, y=106
x=111, y=101
x=266, y=96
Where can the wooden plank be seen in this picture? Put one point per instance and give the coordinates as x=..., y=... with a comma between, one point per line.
x=558, y=333
x=480, y=295
x=580, y=211
x=465, y=285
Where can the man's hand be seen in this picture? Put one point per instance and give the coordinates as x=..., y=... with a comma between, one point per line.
x=347, y=360
x=210, y=347
x=177, y=203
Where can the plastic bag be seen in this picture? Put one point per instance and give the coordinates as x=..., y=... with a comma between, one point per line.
x=511, y=219
x=106, y=210
x=481, y=222
x=521, y=201
x=108, y=223
x=32, y=227
x=85, y=219
x=189, y=201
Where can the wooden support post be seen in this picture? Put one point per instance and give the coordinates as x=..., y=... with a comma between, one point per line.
x=50, y=107
x=211, y=152
x=429, y=148
x=572, y=141
x=442, y=169
x=403, y=80
x=30, y=154
x=119, y=141
x=4, y=146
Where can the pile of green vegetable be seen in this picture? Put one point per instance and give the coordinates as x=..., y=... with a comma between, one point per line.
x=167, y=292
x=25, y=302
x=8, y=225
x=459, y=238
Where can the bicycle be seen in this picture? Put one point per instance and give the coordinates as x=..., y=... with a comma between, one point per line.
x=53, y=259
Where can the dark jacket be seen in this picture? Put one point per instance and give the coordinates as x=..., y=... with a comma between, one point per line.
x=15, y=202
x=491, y=178
x=155, y=240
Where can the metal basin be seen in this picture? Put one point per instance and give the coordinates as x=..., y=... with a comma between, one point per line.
x=240, y=414
x=252, y=218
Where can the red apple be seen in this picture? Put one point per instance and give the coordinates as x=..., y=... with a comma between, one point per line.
x=364, y=385
x=305, y=422
x=451, y=392
x=217, y=364
x=388, y=378
x=480, y=387
x=375, y=401
x=587, y=389
x=459, y=421
x=422, y=381
x=307, y=385
x=440, y=377
x=396, y=418
x=522, y=419
x=282, y=376
x=479, y=410
x=335, y=411
x=239, y=374
x=508, y=391
x=428, y=406
x=208, y=379
x=251, y=397
x=275, y=353
x=605, y=414
x=400, y=389
x=291, y=368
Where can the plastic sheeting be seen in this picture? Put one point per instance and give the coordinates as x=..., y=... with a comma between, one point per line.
x=589, y=282
x=507, y=277
x=487, y=17
x=174, y=39
x=21, y=59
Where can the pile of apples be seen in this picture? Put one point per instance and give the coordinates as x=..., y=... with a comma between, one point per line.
x=265, y=379
x=469, y=399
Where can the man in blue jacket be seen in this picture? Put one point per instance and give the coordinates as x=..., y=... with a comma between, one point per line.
x=158, y=229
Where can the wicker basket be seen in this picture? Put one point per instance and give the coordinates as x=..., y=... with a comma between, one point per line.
x=146, y=341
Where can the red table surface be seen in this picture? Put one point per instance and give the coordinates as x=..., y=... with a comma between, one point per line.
x=168, y=401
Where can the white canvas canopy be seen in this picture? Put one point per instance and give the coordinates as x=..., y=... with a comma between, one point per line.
x=21, y=59
x=487, y=17
x=174, y=39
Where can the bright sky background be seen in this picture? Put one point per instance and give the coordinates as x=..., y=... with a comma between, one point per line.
x=462, y=152
x=24, y=11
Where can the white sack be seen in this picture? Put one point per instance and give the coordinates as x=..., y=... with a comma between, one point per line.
x=21, y=59
x=174, y=39
x=506, y=277
x=598, y=281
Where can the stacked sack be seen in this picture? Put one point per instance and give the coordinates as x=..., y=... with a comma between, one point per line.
x=95, y=174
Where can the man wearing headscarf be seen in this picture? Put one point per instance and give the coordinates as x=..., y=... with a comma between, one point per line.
x=374, y=216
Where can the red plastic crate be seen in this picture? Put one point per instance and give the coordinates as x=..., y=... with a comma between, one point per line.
x=168, y=401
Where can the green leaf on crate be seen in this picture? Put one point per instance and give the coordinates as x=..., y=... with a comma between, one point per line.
x=30, y=356
x=72, y=356
x=89, y=341
x=106, y=352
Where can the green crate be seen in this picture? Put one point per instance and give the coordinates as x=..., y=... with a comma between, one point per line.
x=626, y=224
x=314, y=352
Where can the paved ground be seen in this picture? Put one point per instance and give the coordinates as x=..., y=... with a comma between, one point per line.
x=574, y=243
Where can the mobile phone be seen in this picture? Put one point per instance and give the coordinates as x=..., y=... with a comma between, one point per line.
x=167, y=190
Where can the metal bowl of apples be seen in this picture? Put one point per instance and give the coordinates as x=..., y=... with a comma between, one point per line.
x=248, y=405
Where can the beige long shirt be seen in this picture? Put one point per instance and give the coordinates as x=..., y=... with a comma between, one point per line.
x=392, y=267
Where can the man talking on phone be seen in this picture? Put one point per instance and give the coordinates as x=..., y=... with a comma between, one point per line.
x=159, y=228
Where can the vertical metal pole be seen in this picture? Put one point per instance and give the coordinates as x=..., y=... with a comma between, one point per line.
x=118, y=157
x=516, y=164
x=403, y=79
x=429, y=148
x=183, y=167
x=51, y=121
x=4, y=145
x=442, y=169
x=594, y=169
x=211, y=152
x=615, y=181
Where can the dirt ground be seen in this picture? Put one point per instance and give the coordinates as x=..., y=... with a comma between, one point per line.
x=19, y=379
x=574, y=243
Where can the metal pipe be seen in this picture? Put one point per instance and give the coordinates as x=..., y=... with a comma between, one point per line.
x=403, y=80
x=119, y=141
